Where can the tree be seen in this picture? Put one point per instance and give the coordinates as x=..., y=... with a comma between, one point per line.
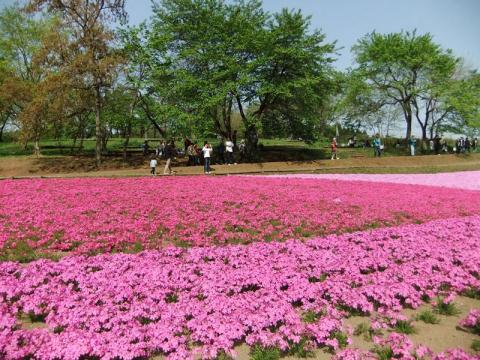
x=212, y=59
x=87, y=59
x=461, y=104
x=406, y=70
x=21, y=37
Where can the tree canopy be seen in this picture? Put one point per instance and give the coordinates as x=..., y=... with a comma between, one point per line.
x=206, y=68
x=411, y=72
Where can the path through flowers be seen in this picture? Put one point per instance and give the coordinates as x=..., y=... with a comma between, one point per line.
x=460, y=180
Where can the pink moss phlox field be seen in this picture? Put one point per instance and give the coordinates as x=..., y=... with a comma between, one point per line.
x=469, y=180
x=203, y=300
x=90, y=216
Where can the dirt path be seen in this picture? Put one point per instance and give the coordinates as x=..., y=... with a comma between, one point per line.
x=83, y=167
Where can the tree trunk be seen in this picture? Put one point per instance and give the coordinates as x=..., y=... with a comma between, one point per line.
x=72, y=148
x=424, y=132
x=106, y=135
x=98, y=128
x=36, y=147
x=4, y=123
x=408, y=119
x=80, y=147
x=128, y=132
x=251, y=134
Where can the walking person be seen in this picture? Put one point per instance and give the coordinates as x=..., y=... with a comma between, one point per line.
x=333, y=146
x=475, y=144
x=169, y=155
x=229, y=145
x=412, y=143
x=207, y=153
x=153, y=166
x=377, y=146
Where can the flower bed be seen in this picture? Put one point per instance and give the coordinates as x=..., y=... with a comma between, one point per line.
x=181, y=301
x=91, y=216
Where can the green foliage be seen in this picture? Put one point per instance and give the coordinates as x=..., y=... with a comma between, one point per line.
x=21, y=252
x=366, y=330
x=405, y=70
x=223, y=356
x=171, y=298
x=472, y=292
x=302, y=349
x=404, y=327
x=259, y=352
x=428, y=317
x=213, y=58
x=383, y=352
x=475, y=345
x=448, y=309
x=311, y=316
x=341, y=337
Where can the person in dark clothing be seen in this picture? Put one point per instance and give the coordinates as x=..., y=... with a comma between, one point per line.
x=186, y=144
x=145, y=148
x=437, y=144
x=234, y=139
x=221, y=152
x=191, y=152
x=169, y=155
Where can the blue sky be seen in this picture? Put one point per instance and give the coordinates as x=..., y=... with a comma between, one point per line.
x=455, y=24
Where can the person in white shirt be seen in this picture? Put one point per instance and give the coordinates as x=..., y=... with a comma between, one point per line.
x=153, y=166
x=207, y=152
x=229, y=151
